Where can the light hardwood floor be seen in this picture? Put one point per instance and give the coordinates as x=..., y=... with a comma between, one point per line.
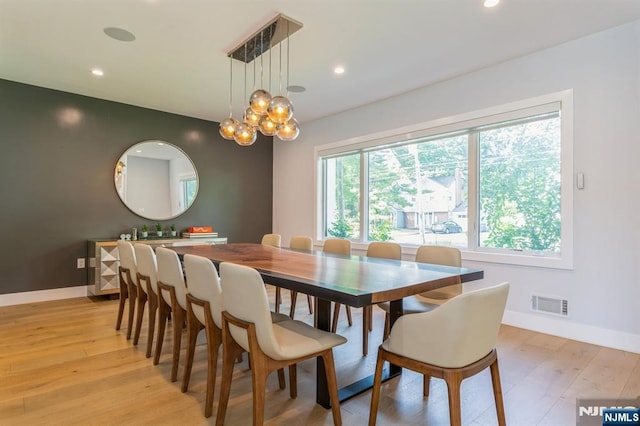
x=63, y=362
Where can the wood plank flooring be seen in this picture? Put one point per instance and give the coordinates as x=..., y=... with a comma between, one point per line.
x=63, y=363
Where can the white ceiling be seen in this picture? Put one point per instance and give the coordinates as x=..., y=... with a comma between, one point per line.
x=178, y=61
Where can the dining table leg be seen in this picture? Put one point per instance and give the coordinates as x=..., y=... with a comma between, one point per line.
x=362, y=385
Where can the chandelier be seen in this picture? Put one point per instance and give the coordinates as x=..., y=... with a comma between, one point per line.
x=267, y=114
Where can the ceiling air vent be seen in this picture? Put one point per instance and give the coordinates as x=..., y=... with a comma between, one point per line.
x=549, y=305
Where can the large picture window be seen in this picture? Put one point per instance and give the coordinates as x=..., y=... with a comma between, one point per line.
x=496, y=183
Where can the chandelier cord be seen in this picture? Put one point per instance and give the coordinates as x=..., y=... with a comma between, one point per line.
x=287, y=59
x=230, y=86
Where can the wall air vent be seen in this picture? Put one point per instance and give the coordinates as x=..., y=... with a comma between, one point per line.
x=549, y=305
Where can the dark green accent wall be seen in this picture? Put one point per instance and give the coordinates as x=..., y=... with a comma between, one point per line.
x=57, y=158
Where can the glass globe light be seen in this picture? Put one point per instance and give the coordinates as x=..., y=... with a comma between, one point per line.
x=289, y=130
x=280, y=109
x=245, y=134
x=251, y=117
x=268, y=127
x=259, y=101
x=228, y=128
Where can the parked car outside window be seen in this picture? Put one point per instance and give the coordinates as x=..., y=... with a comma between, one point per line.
x=446, y=227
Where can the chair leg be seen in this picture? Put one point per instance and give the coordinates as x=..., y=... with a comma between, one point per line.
x=310, y=303
x=426, y=381
x=142, y=301
x=193, y=328
x=375, y=394
x=293, y=381
x=214, y=340
x=259, y=381
x=336, y=315
x=133, y=298
x=281, y=381
x=230, y=352
x=163, y=315
x=178, y=322
x=124, y=295
x=365, y=330
x=497, y=392
x=453, y=381
x=387, y=327
x=294, y=299
x=332, y=384
x=278, y=299
x=153, y=308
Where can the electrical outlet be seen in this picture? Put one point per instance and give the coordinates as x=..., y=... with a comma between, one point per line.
x=80, y=263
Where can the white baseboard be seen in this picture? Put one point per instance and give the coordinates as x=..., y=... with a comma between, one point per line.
x=564, y=328
x=42, y=295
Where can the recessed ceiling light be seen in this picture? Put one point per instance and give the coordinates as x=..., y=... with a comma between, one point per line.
x=295, y=89
x=491, y=3
x=119, y=34
x=338, y=70
x=97, y=72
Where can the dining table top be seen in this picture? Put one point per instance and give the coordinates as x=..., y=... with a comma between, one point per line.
x=349, y=279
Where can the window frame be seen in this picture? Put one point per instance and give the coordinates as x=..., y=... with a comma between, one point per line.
x=464, y=123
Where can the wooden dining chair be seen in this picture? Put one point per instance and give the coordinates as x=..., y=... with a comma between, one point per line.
x=204, y=311
x=453, y=342
x=246, y=327
x=343, y=247
x=148, y=282
x=128, y=284
x=423, y=302
x=172, y=302
x=306, y=244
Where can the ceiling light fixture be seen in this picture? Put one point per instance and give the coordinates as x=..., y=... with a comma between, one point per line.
x=97, y=72
x=271, y=115
x=491, y=3
x=338, y=70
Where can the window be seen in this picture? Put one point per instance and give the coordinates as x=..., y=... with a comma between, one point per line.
x=189, y=188
x=496, y=183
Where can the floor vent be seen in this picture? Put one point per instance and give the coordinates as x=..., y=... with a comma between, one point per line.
x=550, y=305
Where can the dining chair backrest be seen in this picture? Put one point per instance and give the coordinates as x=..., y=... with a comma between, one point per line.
x=337, y=246
x=204, y=284
x=147, y=264
x=170, y=273
x=439, y=255
x=301, y=243
x=458, y=333
x=274, y=240
x=128, y=259
x=245, y=297
x=384, y=250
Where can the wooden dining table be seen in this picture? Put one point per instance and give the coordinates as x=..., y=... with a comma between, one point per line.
x=356, y=281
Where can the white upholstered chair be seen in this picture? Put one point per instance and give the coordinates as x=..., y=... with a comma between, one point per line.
x=204, y=311
x=453, y=342
x=246, y=326
x=172, y=302
x=305, y=244
x=437, y=255
x=148, y=282
x=128, y=283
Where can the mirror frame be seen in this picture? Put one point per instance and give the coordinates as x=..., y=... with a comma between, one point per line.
x=120, y=168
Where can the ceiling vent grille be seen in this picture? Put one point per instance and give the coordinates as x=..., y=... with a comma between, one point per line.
x=549, y=305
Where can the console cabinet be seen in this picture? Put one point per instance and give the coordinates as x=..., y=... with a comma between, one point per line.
x=104, y=260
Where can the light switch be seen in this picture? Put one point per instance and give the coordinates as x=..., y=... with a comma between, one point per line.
x=580, y=181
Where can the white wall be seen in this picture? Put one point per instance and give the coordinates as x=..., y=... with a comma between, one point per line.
x=603, y=70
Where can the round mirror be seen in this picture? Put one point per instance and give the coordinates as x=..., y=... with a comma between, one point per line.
x=156, y=180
